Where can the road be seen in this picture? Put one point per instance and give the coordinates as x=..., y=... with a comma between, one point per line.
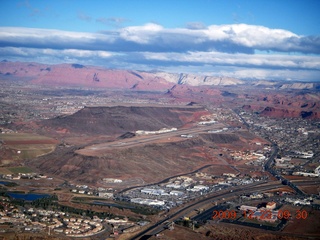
x=306, y=182
x=268, y=165
x=238, y=190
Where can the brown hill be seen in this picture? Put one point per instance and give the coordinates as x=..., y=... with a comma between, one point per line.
x=284, y=113
x=151, y=162
x=284, y=104
x=78, y=75
x=97, y=77
x=177, y=88
x=121, y=119
x=83, y=76
x=22, y=69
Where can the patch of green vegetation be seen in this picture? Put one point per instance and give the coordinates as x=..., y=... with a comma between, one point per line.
x=33, y=153
x=11, y=184
x=88, y=213
x=33, y=147
x=140, y=209
x=3, y=192
x=117, y=204
x=20, y=170
x=145, y=210
x=4, y=170
x=85, y=199
x=24, y=143
x=22, y=136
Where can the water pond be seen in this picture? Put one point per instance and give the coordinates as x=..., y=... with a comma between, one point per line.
x=28, y=196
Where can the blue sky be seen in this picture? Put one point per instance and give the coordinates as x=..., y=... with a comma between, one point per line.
x=246, y=39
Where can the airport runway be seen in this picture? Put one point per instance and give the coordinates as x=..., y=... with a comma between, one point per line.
x=144, y=139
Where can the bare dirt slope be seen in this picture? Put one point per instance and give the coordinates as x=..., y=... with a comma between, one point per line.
x=120, y=119
x=151, y=162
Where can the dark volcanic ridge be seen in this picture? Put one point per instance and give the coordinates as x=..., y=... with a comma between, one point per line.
x=121, y=119
x=150, y=162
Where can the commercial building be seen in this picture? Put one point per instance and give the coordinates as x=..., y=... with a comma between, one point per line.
x=248, y=208
x=271, y=205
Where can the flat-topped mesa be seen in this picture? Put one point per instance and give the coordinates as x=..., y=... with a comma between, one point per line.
x=122, y=119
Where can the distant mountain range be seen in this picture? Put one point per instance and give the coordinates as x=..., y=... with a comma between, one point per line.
x=98, y=77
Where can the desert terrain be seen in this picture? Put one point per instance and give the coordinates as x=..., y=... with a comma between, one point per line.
x=158, y=148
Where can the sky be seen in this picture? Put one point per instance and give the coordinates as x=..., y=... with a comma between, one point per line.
x=246, y=39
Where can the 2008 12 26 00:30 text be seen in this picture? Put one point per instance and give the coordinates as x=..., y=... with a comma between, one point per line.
x=263, y=214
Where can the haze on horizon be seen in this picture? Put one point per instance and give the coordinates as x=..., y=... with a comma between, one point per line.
x=275, y=40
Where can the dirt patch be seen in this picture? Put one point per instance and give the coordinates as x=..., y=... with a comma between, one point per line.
x=222, y=231
x=150, y=162
x=309, y=226
x=20, y=146
x=220, y=138
x=310, y=189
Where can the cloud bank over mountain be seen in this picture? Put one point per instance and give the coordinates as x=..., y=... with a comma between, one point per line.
x=216, y=49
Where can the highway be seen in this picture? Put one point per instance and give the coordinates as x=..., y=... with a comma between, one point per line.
x=306, y=182
x=220, y=196
x=231, y=192
x=238, y=190
x=268, y=165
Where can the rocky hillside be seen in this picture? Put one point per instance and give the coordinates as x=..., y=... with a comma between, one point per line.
x=83, y=76
x=89, y=76
x=285, y=113
x=198, y=80
x=300, y=86
x=120, y=119
x=99, y=77
x=151, y=162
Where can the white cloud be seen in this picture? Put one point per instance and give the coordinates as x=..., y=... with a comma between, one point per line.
x=254, y=60
x=67, y=53
x=112, y=21
x=141, y=34
x=270, y=74
x=152, y=46
x=153, y=37
x=250, y=35
x=195, y=25
x=50, y=38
